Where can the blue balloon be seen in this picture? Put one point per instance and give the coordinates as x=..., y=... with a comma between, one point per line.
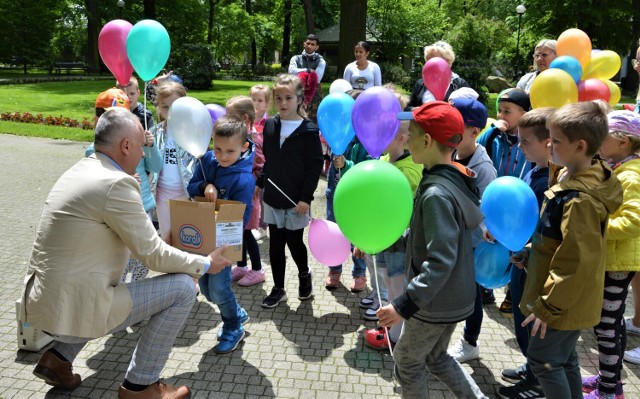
x=510, y=211
x=334, y=121
x=491, y=264
x=148, y=47
x=568, y=64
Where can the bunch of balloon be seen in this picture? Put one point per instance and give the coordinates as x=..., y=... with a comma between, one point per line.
x=579, y=73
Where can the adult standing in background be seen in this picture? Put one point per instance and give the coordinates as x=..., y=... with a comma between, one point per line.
x=362, y=73
x=92, y=220
x=544, y=53
x=309, y=67
x=420, y=94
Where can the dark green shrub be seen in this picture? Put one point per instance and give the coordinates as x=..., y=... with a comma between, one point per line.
x=194, y=64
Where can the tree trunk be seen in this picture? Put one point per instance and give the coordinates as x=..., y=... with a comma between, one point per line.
x=93, y=30
x=353, y=28
x=254, y=47
x=150, y=9
x=286, y=34
x=308, y=16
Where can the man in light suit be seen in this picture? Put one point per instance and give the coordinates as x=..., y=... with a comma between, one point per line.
x=91, y=221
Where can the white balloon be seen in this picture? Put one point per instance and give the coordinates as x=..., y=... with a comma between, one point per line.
x=340, y=86
x=190, y=124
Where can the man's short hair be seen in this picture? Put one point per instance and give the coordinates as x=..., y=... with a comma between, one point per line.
x=536, y=120
x=313, y=37
x=112, y=125
x=230, y=126
x=585, y=120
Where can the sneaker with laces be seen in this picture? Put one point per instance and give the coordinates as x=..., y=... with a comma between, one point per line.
x=515, y=375
x=276, y=296
x=305, y=290
x=521, y=390
x=237, y=273
x=333, y=280
x=366, y=302
x=631, y=328
x=359, y=284
x=632, y=356
x=229, y=340
x=253, y=277
x=462, y=351
x=378, y=341
x=376, y=331
x=244, y=319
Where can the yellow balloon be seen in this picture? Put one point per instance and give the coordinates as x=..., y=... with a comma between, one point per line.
x=603, y=65
x=553, y=88
x=615, y=93
x=575, y=43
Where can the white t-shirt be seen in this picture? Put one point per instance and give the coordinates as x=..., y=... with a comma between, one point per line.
x=170, y=173
x=363, y=78
x=287, y=128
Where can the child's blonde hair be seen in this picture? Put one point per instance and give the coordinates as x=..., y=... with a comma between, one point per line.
x=241, y=106
x=536, y=119
x=402, y=98
x=167, y=89
x=132, y=81
x=261, y=89
x=293, y=84
x=582, y=121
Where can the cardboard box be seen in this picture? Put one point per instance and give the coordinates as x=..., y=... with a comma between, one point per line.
x=200, y=226
x=29, y=338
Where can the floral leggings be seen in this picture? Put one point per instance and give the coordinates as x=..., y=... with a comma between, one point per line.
x=611, y=332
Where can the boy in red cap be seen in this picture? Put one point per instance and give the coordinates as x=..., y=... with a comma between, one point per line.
x=439, y=257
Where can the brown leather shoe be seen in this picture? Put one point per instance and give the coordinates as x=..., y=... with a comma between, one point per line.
x=158, y=390
x=56, y=372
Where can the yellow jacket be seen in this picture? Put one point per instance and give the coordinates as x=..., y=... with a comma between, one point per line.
x=623, y=233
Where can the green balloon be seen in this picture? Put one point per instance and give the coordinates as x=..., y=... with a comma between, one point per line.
x=373, y=203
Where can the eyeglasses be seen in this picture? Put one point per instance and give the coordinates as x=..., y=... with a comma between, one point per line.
x=541, y=55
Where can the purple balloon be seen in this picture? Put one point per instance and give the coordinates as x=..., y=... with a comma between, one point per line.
x=215, y=111
x=375, y=119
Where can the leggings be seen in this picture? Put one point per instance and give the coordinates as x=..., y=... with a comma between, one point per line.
x=250, y=246
x=611, y=332
x=278, y=238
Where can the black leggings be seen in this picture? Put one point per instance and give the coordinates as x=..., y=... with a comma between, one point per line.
x=250, y=246
x=278, y=238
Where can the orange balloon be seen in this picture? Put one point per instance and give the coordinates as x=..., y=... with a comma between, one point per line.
x=575, y=43
x=553, y=88
x=615, y=96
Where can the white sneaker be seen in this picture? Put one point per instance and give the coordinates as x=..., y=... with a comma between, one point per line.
x=632, y=356
x=631, y=329
x=463, y=352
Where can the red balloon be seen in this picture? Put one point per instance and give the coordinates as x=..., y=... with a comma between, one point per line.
x=436, y=75
x=593, y=89
x=112, y=45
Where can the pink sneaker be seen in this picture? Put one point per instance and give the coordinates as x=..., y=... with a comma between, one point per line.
x=252, y=277
x=359, y=284
x=237, y=273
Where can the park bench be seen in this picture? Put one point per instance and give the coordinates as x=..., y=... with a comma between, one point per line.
x=68, y=66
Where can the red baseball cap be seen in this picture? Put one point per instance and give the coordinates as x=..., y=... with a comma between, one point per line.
x=441, y=120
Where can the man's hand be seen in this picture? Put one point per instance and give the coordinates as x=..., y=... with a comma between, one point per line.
x=211, y=193
x=388, y=316
x=218, y=261
x=339, y=161
x=149, y=140
x=302, y=208
x=537, y=324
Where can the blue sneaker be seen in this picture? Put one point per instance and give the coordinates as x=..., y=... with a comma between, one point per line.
x=244, y=319
x=229, y=340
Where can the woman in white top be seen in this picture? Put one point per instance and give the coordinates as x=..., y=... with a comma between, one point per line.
x=362, y=73
x=544, y=53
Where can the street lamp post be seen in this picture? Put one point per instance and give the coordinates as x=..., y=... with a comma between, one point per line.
x=120, y=4
x=520, y=10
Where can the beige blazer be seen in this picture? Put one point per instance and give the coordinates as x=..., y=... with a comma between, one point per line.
x=91, y=219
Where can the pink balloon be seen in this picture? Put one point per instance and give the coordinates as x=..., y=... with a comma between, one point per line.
x=436, y=75
x=112, y=45
x=327, y=243
x=593, y=89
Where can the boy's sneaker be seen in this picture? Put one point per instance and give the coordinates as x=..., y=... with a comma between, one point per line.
x=229, y=340
x=238, y=273
x=305, y=290
x=521, y=390
x=376, y=331
x=370, y=314
x=244, y=319
x=276, y=296
x=462, y=351
x=333, y=280
x=631, y=328
x=632, y=356
x=359, y=284
x=487, y=296
x=366, y=302
x=516, y=375
x=378, y=341
x=252, y=277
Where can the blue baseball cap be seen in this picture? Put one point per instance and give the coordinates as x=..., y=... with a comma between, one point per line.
x=473, y=111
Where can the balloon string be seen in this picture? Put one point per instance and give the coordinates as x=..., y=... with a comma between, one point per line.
x=386, y=330
x=202, y=169
x=145, y=106
x=282, y=192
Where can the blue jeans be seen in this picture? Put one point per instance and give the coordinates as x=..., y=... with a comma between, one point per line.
x=473, y=323
x=359, y=267
x=217, y=289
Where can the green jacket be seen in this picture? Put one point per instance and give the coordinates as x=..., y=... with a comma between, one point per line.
x=565, y=280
